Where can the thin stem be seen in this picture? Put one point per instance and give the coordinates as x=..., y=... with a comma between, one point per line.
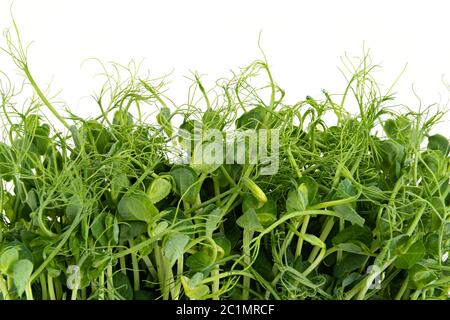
x=51, y=289
x=29, y=292
x=247, y=239
x=43, y=283
x=298, y=250
x=402, y=289
x=4, y=289
x=323, y=236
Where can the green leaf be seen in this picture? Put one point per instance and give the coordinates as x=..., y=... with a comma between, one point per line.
x=173, y=247
x=98, y=229
x=131, y=229
x=213, y=220
x=263, y=265
x=398, y=128
x=207, y=157
x=163, y=119
x=222, y=241
x=351, y=248
x=136, y=206
x=112, y=228
x=311, y=185
x=414, y=254
x=94, y=137
x=349, y=214
x=267, y=214
x=7, y=260
x=349, y=263
x=122, y=119
x=249, y=221
x=186, y=182
x=437, y=213
x=297, y=199
x=41, y=139
x=351, y=278
x=123, y=286
x=119, y=183
x=421, y=276
x=32, y=199
x=313, y=240
x=354, y=232
x=392, y=156
x=6, y=162
x=159, y=189
x=193, y=289
x=345, y=189
x=21, y=273
x=439, y=142
x=74, y=208
x=199, y=261
x=213, y=119
x=251, y=119
x=432, y=243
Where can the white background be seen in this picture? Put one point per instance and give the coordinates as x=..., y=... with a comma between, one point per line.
x=303, y=40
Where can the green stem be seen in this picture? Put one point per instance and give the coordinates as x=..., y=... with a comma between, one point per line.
x=42, y=96
x=323, y=236
x=416, y=294
x=29, y=292
x=315, y=262
x=227, y=176
x=217, y=190
x=123, y=266
x=135, y=265
x=74, y=293
x=55, y=251
x=109, y=282
x=4, y=289
x=177, y=289
x=43, y=282
x=160, y=266
x=150, y=266
x=298, y=250
x=402, y=289
x=101, y=286
x=340, y=252
x=59, y=290
x=216, y=283
x=247, y=239
x=415, y=221
x=51, y=288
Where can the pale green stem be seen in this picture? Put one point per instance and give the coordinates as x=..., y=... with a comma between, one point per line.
x=323, y=236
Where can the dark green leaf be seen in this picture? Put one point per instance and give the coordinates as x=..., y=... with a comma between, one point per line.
x=123, y=286
x=251, y=119
x=350, y=262
x=354, y=232
x=186, y=183
x=414, y=254
x=135, y=205
x=438, y=142
x=249, y=221
x=163, y=119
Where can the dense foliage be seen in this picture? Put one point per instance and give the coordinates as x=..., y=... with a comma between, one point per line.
x=99, y=208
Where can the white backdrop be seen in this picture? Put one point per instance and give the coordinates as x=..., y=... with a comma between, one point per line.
x=303, y=41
